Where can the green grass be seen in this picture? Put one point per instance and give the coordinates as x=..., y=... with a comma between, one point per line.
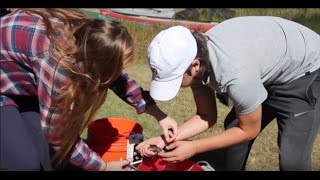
x=306, y=16
x=264, y=154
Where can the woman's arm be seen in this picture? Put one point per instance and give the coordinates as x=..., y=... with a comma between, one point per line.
x=129, y=91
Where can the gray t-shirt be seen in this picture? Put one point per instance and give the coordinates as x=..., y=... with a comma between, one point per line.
x=250, y=53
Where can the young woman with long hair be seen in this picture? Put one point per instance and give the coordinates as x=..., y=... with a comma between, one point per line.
x=56, y=68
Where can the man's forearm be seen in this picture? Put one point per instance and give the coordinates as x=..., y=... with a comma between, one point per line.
x=248, y=128
x=195, y=125
x=224, y=139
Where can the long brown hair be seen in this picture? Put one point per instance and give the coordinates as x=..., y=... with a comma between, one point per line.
x=93, y=56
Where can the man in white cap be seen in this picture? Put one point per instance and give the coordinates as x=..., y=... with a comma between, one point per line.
x=267, y=66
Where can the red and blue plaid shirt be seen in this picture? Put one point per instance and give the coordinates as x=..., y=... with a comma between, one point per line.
x=27, y=68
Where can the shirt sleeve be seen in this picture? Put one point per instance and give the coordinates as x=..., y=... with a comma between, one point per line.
x=130, y=92
x=84, y=157
x=247, y=91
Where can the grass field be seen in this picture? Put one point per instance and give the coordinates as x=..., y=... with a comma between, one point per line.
x=264, y=154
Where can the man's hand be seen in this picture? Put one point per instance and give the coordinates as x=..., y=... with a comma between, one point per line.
x=181, y=150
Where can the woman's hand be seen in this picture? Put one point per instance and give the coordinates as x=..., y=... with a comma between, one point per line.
x=116, y=165
x=170, y=128
x=168, y=124
x=144, y=147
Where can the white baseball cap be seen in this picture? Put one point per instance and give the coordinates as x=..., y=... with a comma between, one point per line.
x=170, y=54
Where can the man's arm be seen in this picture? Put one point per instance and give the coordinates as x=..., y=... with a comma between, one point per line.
x=247, y=93
x=206, y=115
x=248, y=128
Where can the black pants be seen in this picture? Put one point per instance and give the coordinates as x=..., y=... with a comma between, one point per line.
x=296, y=106
x=23, y=146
